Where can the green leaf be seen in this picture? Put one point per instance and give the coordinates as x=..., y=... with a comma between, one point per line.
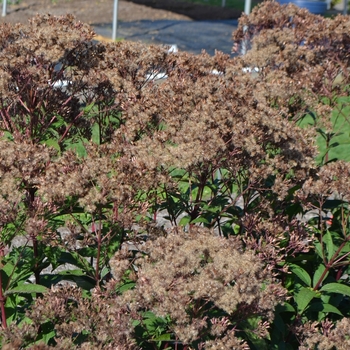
x=258, y=343
x=7, y=135
x=6, y=272
x=279, y=323
x=84, y=282
x=88, y=252
x=249, y=326
x=323, y=307
x=306, y=120
x=78, y=147
x=336, y=288
x=75, y=259
x=328, y=241
x=303, y=298
x=48, y=336
x=318, y=247
x=96, y=134
x=126, y=286
x=318, y=273
x=135, y=323
x=105, y=271
x=13, y=300
x=52, y=143
x=76, y=272
x=185, y=220
x=49, y=280
x=200, y=219
x=345, y=249
x=343, y=99
x=47, y=332
x=339, y=138
x=88, y=108
x=25, y=320
x=301, y=273
x=150, y=315
x=285, y=307
x=163, y=337
x=12, y=276
x=332, y=204
x=13, y=307
x=178, y=173
x=27, y=288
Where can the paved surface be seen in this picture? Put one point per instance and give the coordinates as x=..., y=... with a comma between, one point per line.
x=190, y=36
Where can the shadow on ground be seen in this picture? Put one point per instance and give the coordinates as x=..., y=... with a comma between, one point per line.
x=190, y=36
x=193, y=10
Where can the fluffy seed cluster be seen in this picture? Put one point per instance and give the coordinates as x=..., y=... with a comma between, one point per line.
x=188, y=275
x=105, y=321
x=326, y=336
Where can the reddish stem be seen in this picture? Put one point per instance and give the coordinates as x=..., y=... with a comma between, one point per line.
x=329, y=265
x=69, y=127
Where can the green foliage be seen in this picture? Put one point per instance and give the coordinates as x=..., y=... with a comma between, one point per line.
x=152, y=331
x=236, y=4
x=333, y=144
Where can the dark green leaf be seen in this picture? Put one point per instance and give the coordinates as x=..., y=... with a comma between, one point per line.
x=301, y=273
x=88, y=252
x=257, y=342
x=322, y=307
x=332, y=204
x=84, y=282
x=76, y=272
x=279, y=323
x=75, y=259
x=285, y=307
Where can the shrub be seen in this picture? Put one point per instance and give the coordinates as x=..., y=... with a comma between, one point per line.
x=165, y=200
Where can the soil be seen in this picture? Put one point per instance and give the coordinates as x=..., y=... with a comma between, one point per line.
x=101, y=11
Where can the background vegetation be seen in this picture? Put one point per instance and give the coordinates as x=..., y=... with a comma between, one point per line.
x=236, y=4
x=161, y=200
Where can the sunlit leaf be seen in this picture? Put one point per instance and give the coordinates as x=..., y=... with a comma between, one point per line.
x=328, y=242
x=318, y=273
x=336, y=288
x=27, y=288
x=303, y=298
x=185, y=220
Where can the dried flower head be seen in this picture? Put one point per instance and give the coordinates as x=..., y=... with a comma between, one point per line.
x=186, y=275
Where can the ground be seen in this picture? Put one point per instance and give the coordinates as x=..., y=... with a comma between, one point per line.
x=101, y=11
